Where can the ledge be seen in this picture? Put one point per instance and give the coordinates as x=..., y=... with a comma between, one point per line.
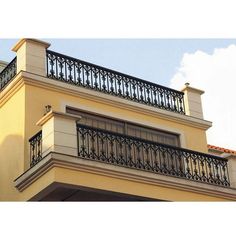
x=15, y=84
x=51, y=114
x=74, y=163
x=192, y=89
x=40, y=81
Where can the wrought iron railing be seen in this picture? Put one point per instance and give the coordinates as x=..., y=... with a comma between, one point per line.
x=35, y=149
x=7, y=74
x=84, y=74
x=131, y=152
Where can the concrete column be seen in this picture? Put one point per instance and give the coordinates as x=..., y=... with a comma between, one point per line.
x=31, y=56
x=192, y=100
x=231, y=169
x=59, y=133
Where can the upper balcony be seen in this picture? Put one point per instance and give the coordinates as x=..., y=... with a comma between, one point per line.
x=84, y=74
x=80, y=73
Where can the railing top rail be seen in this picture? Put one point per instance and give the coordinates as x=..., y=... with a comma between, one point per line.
x=7, y=74
x=115, y=72
x=36, y=135
x=151, y=142
x=7, y=67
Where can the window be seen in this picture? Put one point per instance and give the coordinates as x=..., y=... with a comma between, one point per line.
x=122, y=127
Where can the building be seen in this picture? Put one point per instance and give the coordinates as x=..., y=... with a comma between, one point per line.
x=220, y=151
x=75, y=131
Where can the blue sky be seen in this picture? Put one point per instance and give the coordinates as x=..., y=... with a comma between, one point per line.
x=155, y=60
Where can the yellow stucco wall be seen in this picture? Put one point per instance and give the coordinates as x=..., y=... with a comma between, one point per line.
x=37, y=98
x=12, y=127
x=18, y=123
x=24, y=108
x=75, y=177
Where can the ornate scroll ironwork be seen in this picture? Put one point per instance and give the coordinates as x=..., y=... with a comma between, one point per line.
x=84, y=74
x=7, y=74
x=35, y=148
x=131, y=152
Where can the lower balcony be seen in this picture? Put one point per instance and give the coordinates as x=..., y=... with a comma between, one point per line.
x=71, y=161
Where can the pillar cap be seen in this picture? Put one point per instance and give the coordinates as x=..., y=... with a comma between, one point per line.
x=35, y=41
x=192, y=89
x=52, y=113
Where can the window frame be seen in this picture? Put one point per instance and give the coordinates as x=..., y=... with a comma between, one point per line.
x=125, y=123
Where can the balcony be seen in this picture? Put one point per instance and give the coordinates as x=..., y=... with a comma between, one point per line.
x=84, y=74
x=76, y=155
x=134, y=153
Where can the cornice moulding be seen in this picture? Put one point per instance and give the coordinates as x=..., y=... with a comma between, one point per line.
x=40, y=81
x=74, y=163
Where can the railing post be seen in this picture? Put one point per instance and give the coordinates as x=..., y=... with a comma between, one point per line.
x=231, y=169
x=31, y=56
x=59, y=133
x=192, y=101
x=110, y=147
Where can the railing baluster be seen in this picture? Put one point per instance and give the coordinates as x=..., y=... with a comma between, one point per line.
x=113, y=82
x=146, y=155
x=35, y=148
x=7, y=74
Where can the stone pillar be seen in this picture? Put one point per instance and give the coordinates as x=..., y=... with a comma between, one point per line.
x=31, y=56
x=192, y=100
x=231, y=169
x=59, y=133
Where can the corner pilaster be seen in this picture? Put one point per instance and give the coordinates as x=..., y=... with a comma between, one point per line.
x=31, y=56
x=192, y=100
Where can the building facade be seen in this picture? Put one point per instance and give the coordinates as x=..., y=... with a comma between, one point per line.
x=75, y=131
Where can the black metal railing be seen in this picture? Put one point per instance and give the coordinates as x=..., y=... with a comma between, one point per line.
x=7, y=74
x=35, y=149
x=131, y=152
x=84, y=74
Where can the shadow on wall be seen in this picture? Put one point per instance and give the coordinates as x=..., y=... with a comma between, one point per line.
x=11, y=165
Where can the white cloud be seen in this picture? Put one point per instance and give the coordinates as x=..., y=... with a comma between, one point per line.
x=215, y=74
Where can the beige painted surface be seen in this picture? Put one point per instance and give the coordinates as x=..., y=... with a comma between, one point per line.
x=59, y=135
x=232, y=169
x=192, y=100
x=40, y=184
x=31, y=56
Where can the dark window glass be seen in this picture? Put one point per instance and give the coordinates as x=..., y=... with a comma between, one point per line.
x=122, y=127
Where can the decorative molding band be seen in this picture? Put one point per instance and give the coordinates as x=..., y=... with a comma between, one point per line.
x=52, y=113
x=35, y=41
x=74, y=163
x=42, y=82
x=14, y=86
